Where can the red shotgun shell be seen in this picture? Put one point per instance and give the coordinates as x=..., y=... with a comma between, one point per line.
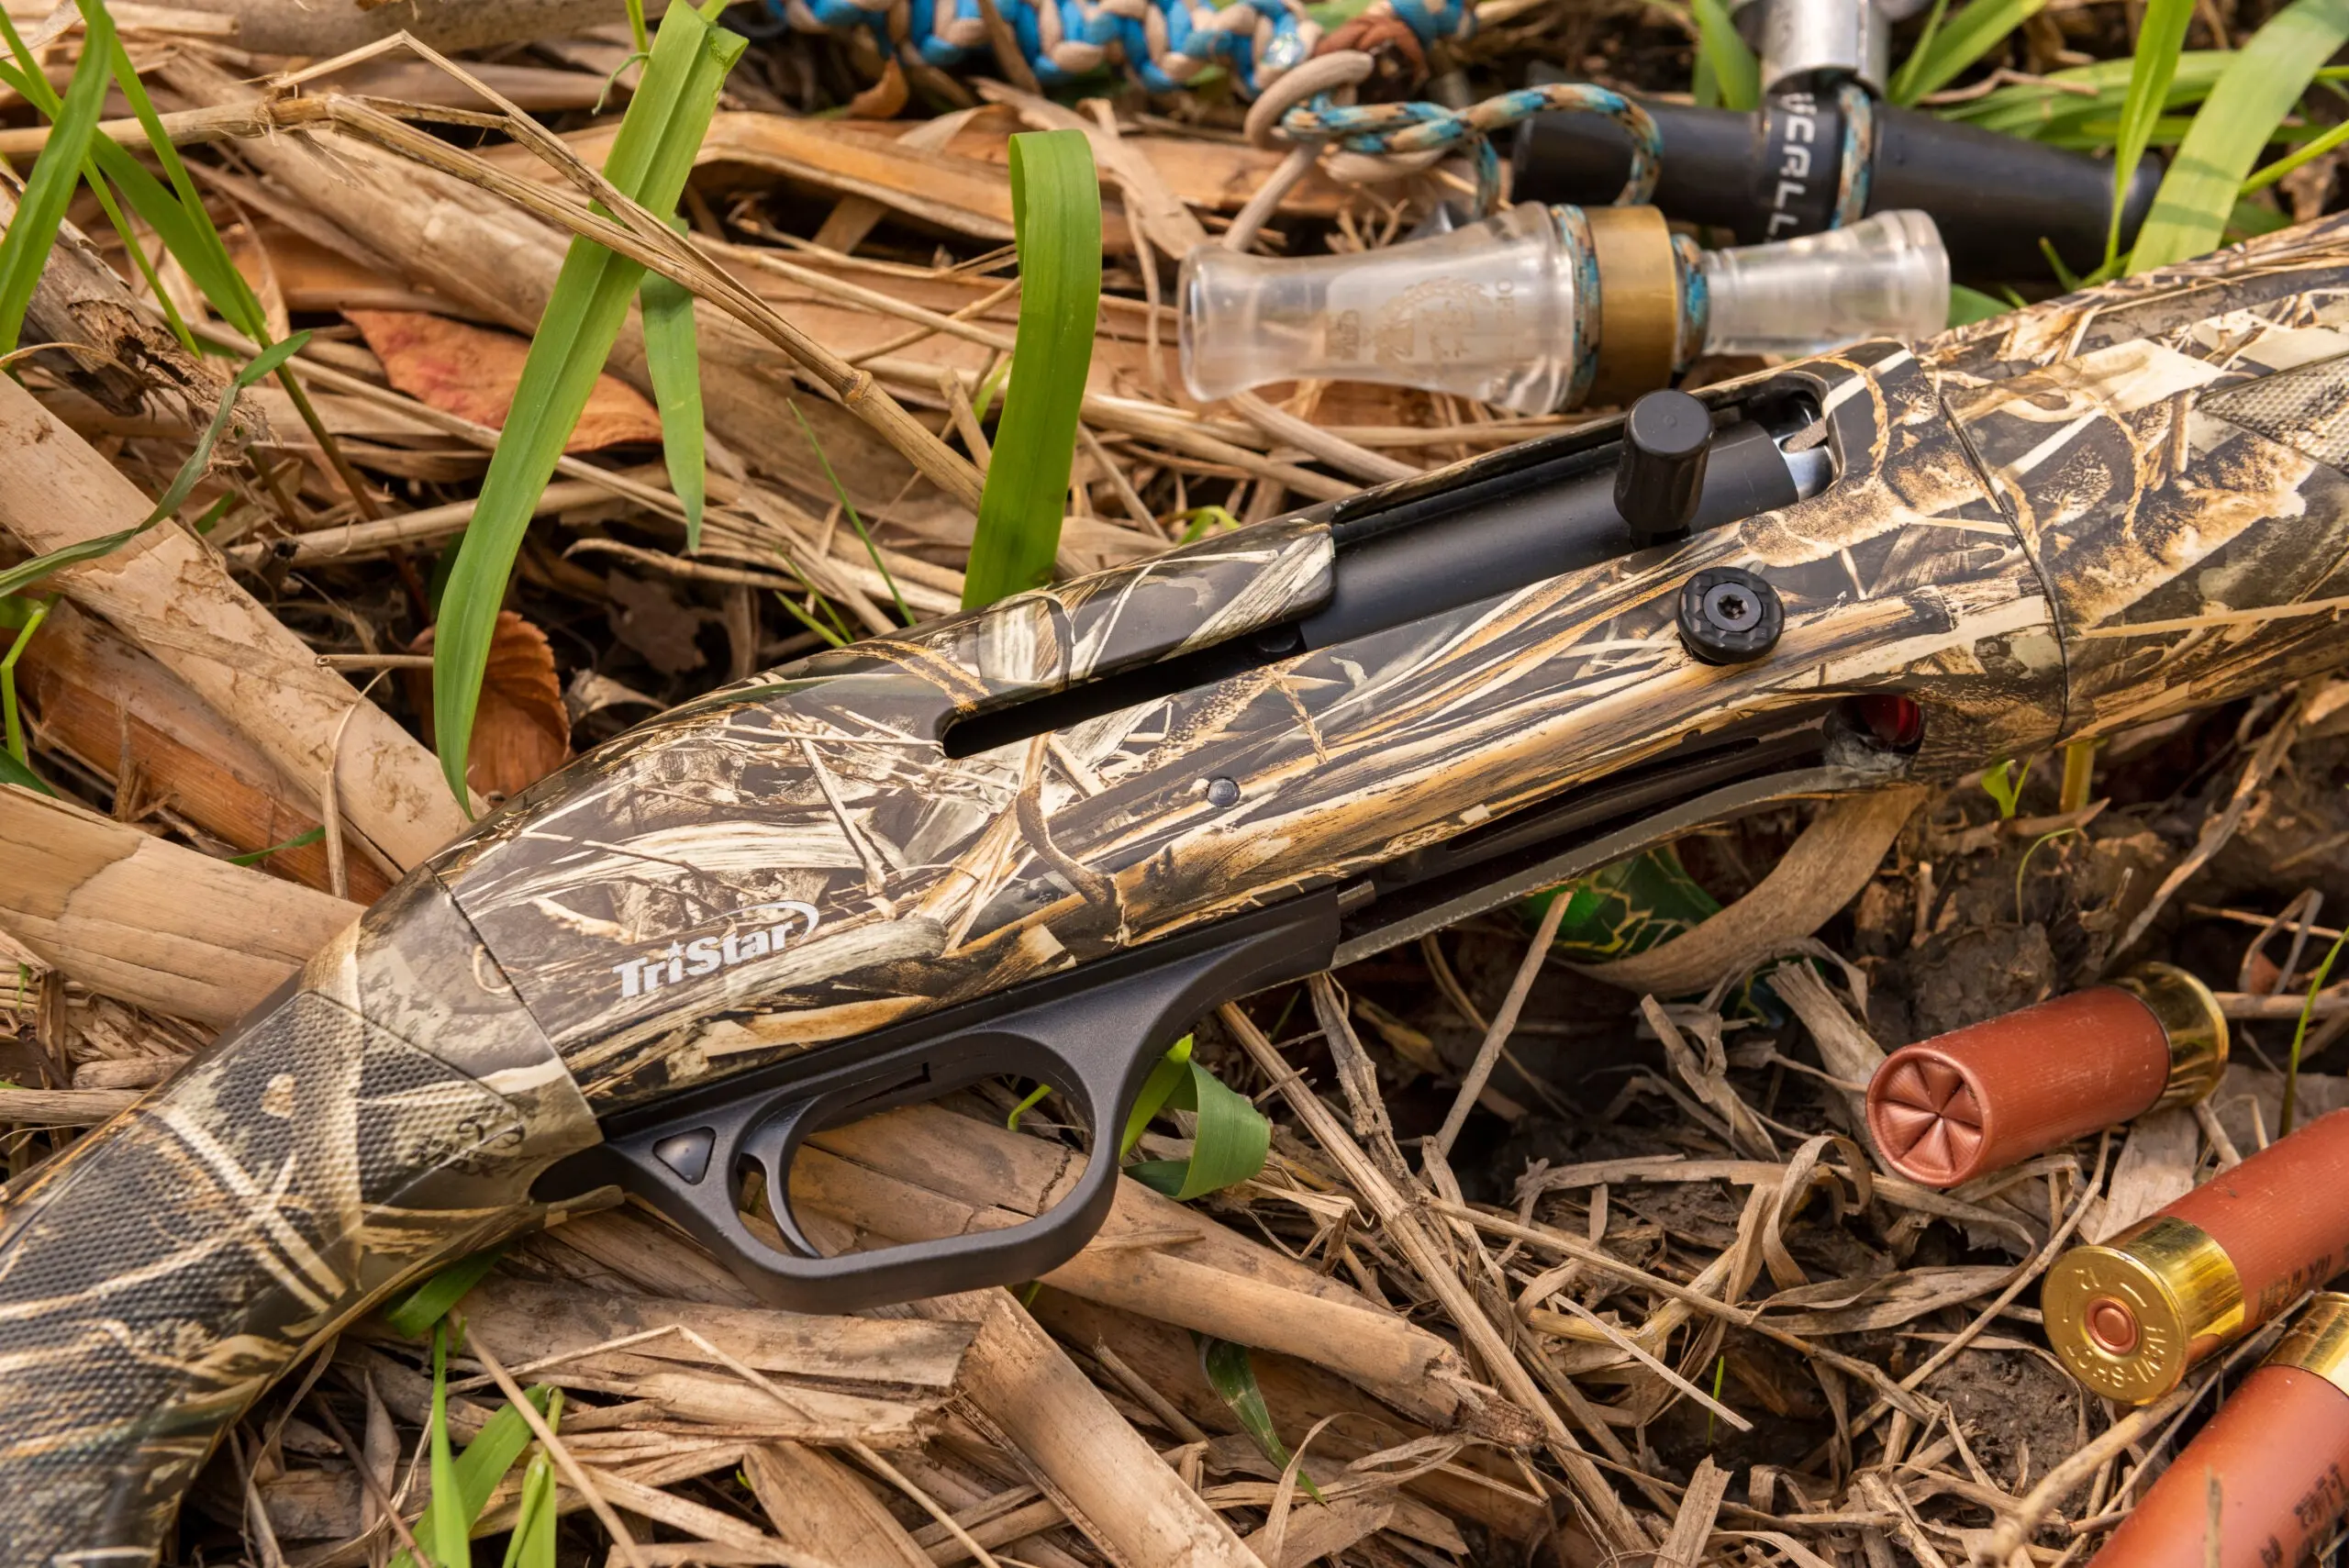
x=2278, y=1452
x=1950, y=1108
x=2130, y=1314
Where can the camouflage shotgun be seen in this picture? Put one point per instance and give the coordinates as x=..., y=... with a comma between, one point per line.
x=1043, y=839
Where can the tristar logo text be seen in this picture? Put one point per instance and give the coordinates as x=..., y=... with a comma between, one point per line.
x=760, y=930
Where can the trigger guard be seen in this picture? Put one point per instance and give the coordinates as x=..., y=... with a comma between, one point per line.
x=1093, y=1033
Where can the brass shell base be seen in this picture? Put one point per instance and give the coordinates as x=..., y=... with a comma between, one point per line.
x=2191, y=1017
x=2319, y=1341
x=2127, y=1317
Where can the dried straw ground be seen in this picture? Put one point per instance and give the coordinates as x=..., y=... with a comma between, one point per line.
x=1654, y=1303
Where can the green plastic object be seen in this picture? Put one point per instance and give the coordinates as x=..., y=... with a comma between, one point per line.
x=1633, y=905
x=1625, y=907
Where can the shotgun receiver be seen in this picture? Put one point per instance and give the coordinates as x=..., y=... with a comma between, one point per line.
x=1043, y=839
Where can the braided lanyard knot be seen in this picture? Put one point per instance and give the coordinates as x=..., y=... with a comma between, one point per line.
x=1401, y=131
x=1164, y=44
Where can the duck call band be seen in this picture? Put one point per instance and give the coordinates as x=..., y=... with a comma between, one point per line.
x=1638, y=277
x=2128, y=1316
x=2278, y=1452
x=1978, y=1099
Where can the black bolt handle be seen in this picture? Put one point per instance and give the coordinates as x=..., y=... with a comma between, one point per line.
x=1662, y=476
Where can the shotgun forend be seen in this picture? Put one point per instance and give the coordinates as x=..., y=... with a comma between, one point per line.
x=1043, y=839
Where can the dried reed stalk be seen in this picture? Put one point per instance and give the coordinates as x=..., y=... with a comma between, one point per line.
x=333, y=26
x=1482, y=1487
x=150, y=922
x=483, y=252
x=124, y=715
x=1430, y=1257
x=817, y=1505
x=1110, y=1484
x=119, y=353
x=924, y=1171
x=169, y=594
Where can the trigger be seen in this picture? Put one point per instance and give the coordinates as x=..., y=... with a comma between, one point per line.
x=771, y=1148
x=779, y=1210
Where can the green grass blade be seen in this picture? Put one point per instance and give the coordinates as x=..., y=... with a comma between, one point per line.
x=442, y=1530
x=650, y=160
x=13, y=771
x=1232, y=1372
x=23, y=249
x=839, y=493
x=1736, y=73
x=32, y=85
x=1156, y=1090
x=673, y=359
x=429, y=1302
x=201, y=250
x=2300, y=1034
x=1228, y=1145
x=104, y=189
x=299, y=841
x=24, y=622
x=1703, y=85
x=1231, y=1142
x=1963, y=39
x=2260, y=87
x=829, y=635
x=2161, y=38
x=2306, y=152
x=36, y=91
x=1172, y=1072
x=1056, y=217
x=532, y=1542
x=2250, y=219
x=2053, y=110
x=189, y=235
x=25, y=573
x=481, y=1467
x=2004, y=785
x=1967, y=305
x=1903, y=87
x=2063, y=274
x=176, y=212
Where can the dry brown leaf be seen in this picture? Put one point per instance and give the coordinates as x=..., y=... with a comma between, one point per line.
x=471, y=372
x=521, y=731
x=884, y=99
x=649, y=618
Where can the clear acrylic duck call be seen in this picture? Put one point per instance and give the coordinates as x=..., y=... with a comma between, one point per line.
x=1544, y=308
